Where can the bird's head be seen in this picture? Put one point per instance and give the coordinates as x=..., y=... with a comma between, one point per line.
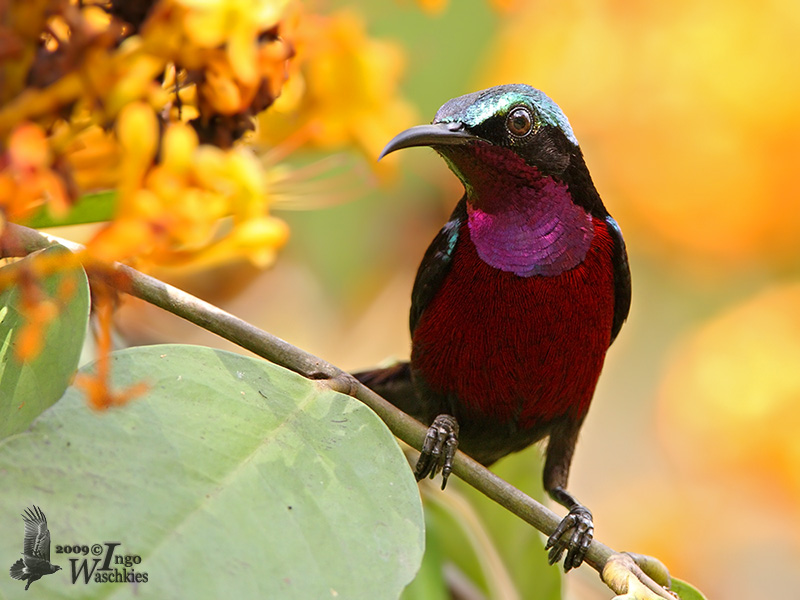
x=509, y=135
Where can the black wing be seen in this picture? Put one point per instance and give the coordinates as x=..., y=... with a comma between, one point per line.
x=436, y=263
x=37, y=535
x=622, y=278
x=584, y=194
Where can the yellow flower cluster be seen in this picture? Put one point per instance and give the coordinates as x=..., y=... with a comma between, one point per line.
x=99, y=98
x=172, y=209
x=148, y=97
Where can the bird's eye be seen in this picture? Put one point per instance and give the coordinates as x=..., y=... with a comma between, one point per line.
x=519, y=122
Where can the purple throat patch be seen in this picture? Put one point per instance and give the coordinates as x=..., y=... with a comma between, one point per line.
x=539, y=231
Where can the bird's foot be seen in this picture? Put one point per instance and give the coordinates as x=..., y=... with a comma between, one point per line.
x=438, y=449
x=573, y=534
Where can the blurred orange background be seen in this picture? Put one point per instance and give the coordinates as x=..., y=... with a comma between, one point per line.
x=688, y=114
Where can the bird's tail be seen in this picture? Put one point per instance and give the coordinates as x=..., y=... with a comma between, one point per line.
x=17, y=570
x=394, y=383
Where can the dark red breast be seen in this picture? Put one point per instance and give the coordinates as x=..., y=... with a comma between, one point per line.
x=528, y=349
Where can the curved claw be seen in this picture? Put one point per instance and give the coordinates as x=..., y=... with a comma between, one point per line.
x=574, y=535
x=438, y=449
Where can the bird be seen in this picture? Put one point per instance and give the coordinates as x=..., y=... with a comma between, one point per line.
x=35, y=562
x=516, y=300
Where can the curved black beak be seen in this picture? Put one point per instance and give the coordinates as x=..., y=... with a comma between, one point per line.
x=438, y=134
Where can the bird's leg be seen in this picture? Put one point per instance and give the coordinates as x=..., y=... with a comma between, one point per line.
x=573, y=534
x=438, y=449
x=575, y=531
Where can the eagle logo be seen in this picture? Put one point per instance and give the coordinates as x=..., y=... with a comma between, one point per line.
x=35, y=562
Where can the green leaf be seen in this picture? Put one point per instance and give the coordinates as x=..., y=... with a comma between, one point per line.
x=27, y=389
x=230, y=478
x=686, y=591
x=90, y=208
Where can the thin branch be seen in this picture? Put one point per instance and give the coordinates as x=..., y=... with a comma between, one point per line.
x=17, y=240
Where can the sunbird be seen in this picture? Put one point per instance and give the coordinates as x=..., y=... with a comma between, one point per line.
x=517, y=299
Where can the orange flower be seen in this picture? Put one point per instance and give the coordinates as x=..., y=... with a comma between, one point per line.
x=27, y=179
x=97, y=385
